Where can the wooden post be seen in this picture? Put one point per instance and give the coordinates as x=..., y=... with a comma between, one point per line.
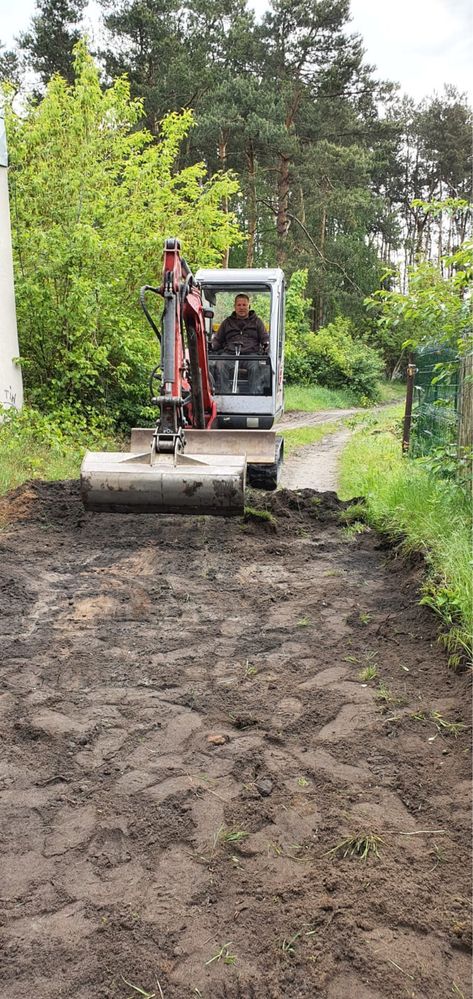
x=406, y=433
x=465, y=407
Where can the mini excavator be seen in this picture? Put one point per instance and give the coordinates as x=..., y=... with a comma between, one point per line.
x=213, y=434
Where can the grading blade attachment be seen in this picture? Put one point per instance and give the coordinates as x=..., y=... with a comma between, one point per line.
x=118, y=482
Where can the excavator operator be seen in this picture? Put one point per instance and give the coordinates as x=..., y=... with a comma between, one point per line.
x=243, y=332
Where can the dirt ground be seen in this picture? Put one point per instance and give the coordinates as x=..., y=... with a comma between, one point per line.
x=316, y=466
x=186, y=740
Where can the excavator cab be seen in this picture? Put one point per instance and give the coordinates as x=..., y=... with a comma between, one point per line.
x=248, y=389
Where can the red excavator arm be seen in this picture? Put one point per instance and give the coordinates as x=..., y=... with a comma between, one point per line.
x=185, y=399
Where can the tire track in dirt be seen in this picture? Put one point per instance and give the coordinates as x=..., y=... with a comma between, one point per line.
x=185, y=738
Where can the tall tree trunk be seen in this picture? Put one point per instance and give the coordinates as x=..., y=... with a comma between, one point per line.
x=282, y=221
x=252, y=219
x=282, y=217
x=222, y=158
x=322, y=234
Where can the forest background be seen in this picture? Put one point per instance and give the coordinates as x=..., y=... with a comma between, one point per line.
x=258, y=142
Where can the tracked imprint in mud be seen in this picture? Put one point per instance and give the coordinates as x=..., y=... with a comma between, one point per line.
x=222, y=771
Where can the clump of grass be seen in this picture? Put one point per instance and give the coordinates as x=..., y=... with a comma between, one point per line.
x=303, y=622
x=369, y=672
x=361, y=846
x=355, y=528
x=224, y=835
x=250, y=670
x=355, y=511
x=223, y=954
x=251, y=513
x=386, y=695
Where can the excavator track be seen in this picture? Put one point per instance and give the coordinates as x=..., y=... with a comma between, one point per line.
x=267, y=476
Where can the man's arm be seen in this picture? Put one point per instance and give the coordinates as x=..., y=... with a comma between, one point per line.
x=263, y=334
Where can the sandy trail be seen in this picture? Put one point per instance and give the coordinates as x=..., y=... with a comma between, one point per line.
x=186, y=737
x=316, y=466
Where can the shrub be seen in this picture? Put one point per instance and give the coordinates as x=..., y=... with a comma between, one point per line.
x=335, y=359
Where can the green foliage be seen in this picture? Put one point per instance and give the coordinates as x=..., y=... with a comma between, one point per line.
x=297, y=307
x=336, y=359
x=34, y=445
x=434, y=309
x=93, y=199
x=332, y=357
x=430, y=515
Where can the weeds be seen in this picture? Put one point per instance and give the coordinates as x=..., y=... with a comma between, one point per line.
x=386, y=695
x=224, y=835
x=354, y=512
x=140, y=991
x=364, y=617
x=439, y=856
x=303, y=782
x=445, y=727
x=355, y=528
x=360, y=846
x=287, y=945
x=223, y=955
x=250, y=670
x=370, y=672
x=303, y=622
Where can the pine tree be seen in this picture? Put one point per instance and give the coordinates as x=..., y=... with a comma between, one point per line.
x=54, y=31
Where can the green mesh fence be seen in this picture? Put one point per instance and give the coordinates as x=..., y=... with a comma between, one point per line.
x=435, y=409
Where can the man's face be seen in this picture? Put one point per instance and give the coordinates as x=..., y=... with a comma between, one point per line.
x=242, y=307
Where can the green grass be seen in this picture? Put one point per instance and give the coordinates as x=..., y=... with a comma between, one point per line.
x=41, y=462
x=429, y=514
x=313, y=398
x=34, y=446
x=303, y=436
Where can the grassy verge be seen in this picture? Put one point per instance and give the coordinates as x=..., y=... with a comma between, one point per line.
x=431, y=515
x=33, y=446
x=312, y=398
x=303, y=436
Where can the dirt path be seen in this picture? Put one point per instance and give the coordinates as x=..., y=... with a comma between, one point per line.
x=316, y=467
x=185, y=739
x=296, y=419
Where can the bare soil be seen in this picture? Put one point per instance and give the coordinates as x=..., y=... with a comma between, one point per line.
x=186, y=739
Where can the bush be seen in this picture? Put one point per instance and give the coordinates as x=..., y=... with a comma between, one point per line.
x=335, y=359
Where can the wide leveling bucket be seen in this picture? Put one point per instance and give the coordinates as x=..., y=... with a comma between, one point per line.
x=117, y=482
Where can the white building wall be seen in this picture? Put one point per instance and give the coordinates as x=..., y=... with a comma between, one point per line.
x=11, y=382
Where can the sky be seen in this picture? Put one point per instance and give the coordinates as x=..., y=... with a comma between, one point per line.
x=421, y=44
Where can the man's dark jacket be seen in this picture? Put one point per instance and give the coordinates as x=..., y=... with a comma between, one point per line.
x=248, y=334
